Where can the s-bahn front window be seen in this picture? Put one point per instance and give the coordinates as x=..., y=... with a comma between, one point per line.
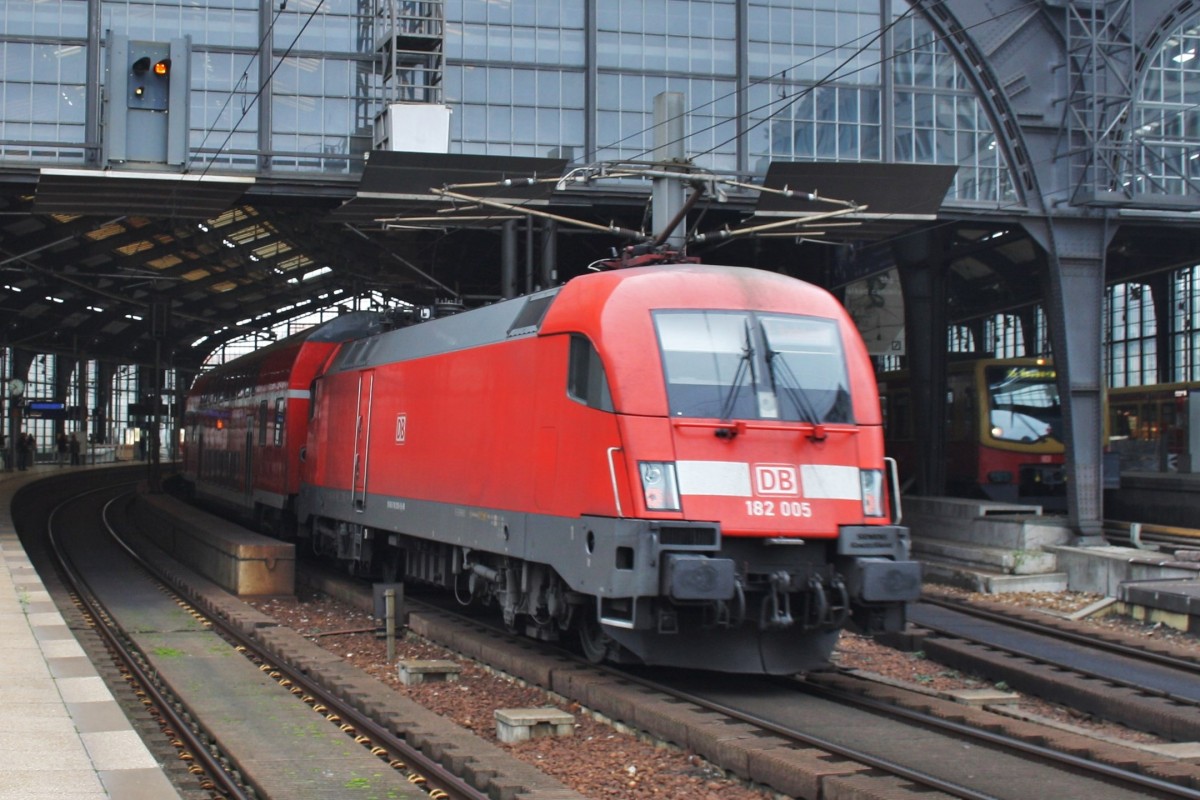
x=744, y=365
x=1023, y=403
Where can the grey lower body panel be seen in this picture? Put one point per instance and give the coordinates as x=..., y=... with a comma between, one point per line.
x=669, y=593
x=745, y=649
x=594, y=555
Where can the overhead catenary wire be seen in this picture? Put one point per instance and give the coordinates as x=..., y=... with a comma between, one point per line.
x=692, y=110
x=834, y=74
x=790, y=100
x=265, y=82
x=243, y=79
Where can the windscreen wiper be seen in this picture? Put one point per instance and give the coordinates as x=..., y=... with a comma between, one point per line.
x=783, y=377
x=739, y=377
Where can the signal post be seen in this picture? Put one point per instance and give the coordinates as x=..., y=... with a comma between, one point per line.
x=146, y=105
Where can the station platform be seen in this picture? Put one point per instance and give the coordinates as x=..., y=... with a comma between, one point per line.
x=1174, y=603
x=1161, y=498
x=992, y=548
x=62, y=734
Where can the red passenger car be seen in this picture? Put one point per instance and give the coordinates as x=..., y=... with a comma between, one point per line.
x=681, y=465
x=247, y=421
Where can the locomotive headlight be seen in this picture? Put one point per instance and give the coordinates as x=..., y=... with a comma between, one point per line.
x=872, y=492
x=659, y=487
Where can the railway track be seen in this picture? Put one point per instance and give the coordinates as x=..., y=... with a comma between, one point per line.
x=833, y=732
x=1151, y=536
x=208, y=764
x=218, y=690
x=911, y=738
x=1113, y=678
x=30, y=511
x=767, y=732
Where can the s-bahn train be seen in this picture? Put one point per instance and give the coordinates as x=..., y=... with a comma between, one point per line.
x=680, y=465
x=1149, y=427
x=1004, y=428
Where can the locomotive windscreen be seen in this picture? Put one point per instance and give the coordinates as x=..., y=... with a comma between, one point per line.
x=739, y=365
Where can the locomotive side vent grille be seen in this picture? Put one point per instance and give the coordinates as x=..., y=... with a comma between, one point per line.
x=530, y=316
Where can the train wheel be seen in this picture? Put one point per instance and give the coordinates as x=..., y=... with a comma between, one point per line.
x=595, y=643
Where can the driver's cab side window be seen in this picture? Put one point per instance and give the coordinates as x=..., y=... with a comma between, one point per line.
x=586, y=380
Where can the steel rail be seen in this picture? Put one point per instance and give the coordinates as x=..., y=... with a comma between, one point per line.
x=853, y=754
x=436, y=776
x=1074, y=763
x=130, y=656
x=1149, y=657
x=916, y=776
x=1135, y=779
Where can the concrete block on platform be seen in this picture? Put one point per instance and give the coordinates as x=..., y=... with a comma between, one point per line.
x=1177, y=596
x=523, y=724
x=993, y=559
x=1015, y=532
x=416, y=671
x=1031, y=532
x=1103, y=570
x=1149, y=615
x=966, y=508
x=1174, y=603
x=236, y=559
x=976, y=580
x=982, y=697
x=1182, y=751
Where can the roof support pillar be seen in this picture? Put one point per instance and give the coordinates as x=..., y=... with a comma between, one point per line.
x=508, y=259
x=1027, y=316
x=20, y=361
x=922, y=266
x=105, y=372
x=63, y=367
x=1164, y=353
x=548, y=272
x=1075, y=249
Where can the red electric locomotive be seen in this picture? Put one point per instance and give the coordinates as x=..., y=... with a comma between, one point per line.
x=682, y=464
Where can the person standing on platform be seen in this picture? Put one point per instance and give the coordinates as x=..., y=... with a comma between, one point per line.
x=22, y=451
x=74, y=446
x=60, y=443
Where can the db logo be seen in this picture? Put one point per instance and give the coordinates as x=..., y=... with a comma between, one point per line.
x=775, y=479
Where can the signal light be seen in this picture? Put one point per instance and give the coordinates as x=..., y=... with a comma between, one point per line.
x=161, y=70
